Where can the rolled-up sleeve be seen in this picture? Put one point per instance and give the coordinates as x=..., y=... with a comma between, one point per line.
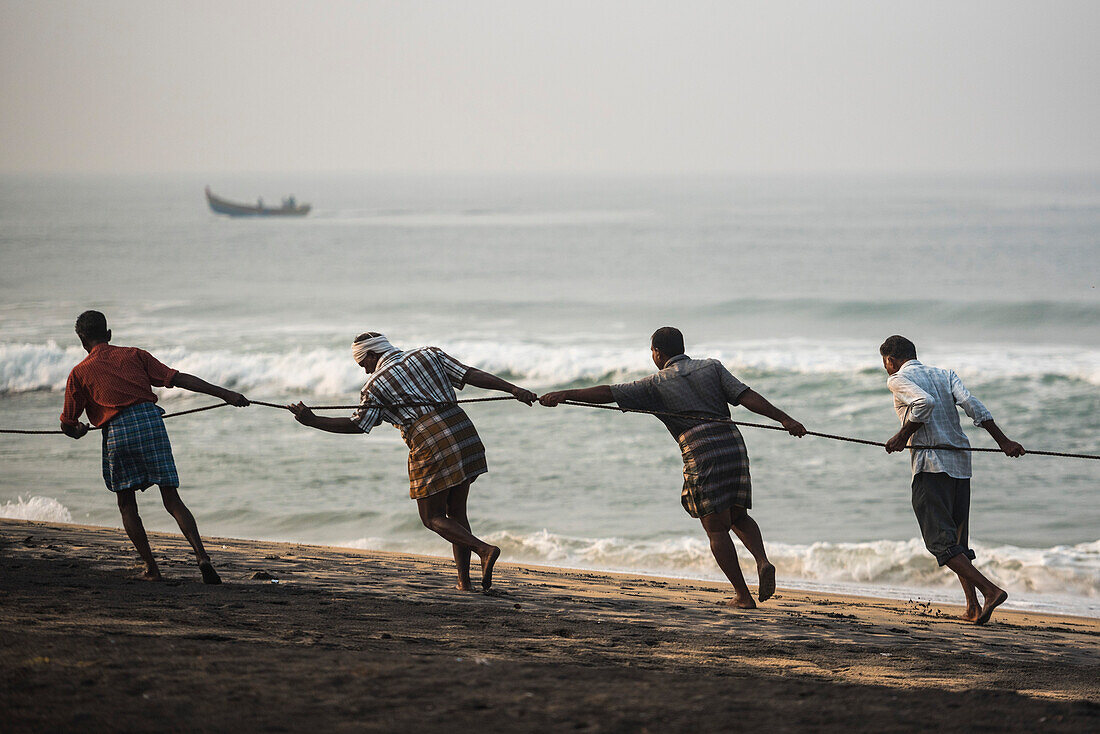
x=160, y=374
x=367, y=418
x=732, y=388
x=970, y=404
x=908, y=393
x=74, y=401
x=456, y=371
x=368, y=415
x=637, y=395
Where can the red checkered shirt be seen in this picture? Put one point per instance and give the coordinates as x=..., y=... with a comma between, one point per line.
x=111, y=379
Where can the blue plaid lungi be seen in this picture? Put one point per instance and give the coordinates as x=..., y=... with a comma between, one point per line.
x=716, y=469
x=136, y=451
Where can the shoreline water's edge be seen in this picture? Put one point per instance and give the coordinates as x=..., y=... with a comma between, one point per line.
x=825, y=591
x=308, y=636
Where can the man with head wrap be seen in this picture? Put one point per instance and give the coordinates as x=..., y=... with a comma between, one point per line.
x=445, y=452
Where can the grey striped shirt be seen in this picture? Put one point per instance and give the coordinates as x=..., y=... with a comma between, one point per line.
x=420, y=375
x=701, y=387
x=928, y=395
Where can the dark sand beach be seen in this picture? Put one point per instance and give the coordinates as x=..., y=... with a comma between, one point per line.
x=358, y=640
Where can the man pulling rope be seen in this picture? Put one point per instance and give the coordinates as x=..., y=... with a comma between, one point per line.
x=414, y=391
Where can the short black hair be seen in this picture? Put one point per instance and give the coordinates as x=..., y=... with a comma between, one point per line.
x=367, y=335
x=92, y=325
x=898, y=347
x=668, y=341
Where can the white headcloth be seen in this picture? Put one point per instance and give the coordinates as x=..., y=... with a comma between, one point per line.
x=371, y=345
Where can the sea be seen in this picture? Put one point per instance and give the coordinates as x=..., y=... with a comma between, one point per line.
x=558, y=281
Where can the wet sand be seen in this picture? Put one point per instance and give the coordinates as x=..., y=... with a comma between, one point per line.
x=360, y=640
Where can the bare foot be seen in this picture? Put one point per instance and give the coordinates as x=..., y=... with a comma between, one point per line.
x=487, y=562
x=149, y=576
x=738, y=602
x=209, y=575
x=991, y=603
x=970, y=615
x=464, y=586
x=766, y=586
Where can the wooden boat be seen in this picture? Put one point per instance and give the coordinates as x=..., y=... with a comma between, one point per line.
x=290, y=207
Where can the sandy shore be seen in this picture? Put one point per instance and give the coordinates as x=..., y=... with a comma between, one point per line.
x=360, y=640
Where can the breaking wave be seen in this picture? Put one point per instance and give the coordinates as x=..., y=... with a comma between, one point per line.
x=330, y=371
x=1062, y=579
x=43, y=509
x=1062, y=570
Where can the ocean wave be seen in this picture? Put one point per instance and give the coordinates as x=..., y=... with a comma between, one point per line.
x=43, y=509
x=1016, y=314
x=330, y=371
x=1061, y=570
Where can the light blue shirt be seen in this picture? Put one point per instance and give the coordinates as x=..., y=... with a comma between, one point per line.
x=928, y=395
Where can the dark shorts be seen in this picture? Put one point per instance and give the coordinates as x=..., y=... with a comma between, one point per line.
x=716, y=469
x=942, y=505
x=136, y=451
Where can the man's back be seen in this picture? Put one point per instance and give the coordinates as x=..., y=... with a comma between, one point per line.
x=111, y=378
x=929, y=396
x=424, y=375
x=701, y=387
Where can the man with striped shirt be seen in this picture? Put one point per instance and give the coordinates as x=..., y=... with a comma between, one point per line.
x=415, y=391
x=717, y=488
x=925, y=399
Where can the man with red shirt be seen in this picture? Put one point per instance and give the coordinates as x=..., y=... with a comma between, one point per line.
x=114, y=386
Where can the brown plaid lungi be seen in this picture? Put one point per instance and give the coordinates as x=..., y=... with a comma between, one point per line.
x=444, y=451
x=716, y=469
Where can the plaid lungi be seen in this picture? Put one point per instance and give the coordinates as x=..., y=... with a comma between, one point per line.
x=444, y=451
x=136, y=451
x=716, y=469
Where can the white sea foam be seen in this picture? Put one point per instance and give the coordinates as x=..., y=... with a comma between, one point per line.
x=1069, y=570
x=1061, y=578
x=1072, y=570
x=44, y=509
x=330, y=371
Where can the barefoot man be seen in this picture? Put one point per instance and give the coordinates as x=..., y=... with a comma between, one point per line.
x=114, y=385
x=717, y=489
x=445, y=452
x=925, y=399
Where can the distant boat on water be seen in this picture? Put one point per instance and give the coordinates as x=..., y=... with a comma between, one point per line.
x=290, y=207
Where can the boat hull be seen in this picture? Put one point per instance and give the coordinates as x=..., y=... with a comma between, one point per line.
x=231, y=208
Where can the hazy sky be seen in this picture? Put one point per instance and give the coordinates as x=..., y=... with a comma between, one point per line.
x=474, y=86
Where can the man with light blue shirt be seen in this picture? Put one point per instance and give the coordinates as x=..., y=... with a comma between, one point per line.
x=925, y=399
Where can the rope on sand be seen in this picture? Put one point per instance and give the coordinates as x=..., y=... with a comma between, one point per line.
x=579, y=404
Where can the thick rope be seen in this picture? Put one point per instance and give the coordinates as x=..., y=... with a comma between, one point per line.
x=579, y=404
x=272, y=405
x=829, y=436
x=100, y=428
x=427, y=404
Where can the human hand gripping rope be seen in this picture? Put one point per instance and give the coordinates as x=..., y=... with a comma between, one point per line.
x=581, y=404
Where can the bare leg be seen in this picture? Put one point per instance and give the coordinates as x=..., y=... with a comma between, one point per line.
x=749, y=533
x=186, y=521
x=127, y=505
x=993, y=595
x=972, y=607
x=717, y=527
x=433, y=513
x=456, y=508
